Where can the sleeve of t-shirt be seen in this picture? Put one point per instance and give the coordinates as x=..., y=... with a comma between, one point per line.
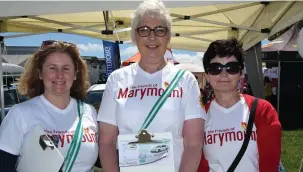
x=193, y=108
x=269, y=138
x=203, y=167
x=12, y=132
x=107, y=110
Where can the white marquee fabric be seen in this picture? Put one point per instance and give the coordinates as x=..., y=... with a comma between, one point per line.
x=195, y=23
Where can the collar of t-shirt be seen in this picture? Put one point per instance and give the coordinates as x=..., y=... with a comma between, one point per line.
x=140, y=71
x=230, y=109
x=48, y=105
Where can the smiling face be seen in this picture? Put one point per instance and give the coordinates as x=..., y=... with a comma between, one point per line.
x=58, y=73
x=152, y=48
x=224, y=82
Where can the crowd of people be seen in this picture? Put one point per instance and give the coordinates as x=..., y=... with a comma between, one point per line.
x=208, y=131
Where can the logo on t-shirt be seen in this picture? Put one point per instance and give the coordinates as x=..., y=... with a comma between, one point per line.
x=86, y=130
x=166, y=84
x=62, y=138
x=243, y=125
x=222, y=136
x=148, y=90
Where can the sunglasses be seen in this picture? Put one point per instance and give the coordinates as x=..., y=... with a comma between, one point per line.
x=159, y=31
x=231, y=68
x=53, y=42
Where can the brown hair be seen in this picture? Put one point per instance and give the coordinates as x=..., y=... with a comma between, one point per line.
x=31, y=85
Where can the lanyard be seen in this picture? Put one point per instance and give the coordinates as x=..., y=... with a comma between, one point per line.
x=161, y=100
x=74, y=148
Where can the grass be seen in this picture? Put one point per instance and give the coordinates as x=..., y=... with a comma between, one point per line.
x=292, y=150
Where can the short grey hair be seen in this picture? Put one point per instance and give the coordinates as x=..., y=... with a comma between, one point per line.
x=155, y=8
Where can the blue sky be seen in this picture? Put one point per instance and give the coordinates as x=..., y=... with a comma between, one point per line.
x=93, y=47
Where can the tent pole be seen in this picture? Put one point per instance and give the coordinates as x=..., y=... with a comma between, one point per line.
x=114, y=25
x=279, y=82
x=1, y=80
x=105, y=16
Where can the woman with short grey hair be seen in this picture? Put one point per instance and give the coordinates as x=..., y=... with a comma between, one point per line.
x=132, y=92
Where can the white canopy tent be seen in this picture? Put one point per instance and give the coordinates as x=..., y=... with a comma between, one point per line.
x=195, y=23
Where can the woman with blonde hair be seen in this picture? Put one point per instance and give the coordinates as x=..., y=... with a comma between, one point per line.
x=55, y=78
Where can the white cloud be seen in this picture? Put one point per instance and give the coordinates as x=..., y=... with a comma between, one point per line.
x=89, y=47
x=187, y=58
x=129, y=51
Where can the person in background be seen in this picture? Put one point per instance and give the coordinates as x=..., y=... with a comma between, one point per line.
x=55, y=78
x=267, y=89
x=122, y=112
x=228, y=114
x=247, y=89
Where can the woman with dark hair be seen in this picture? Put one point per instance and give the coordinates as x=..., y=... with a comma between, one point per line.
x=228, y=117
x=55, y=78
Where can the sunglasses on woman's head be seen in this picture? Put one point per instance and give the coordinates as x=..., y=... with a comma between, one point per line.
x=231, y=68
x=52, y=42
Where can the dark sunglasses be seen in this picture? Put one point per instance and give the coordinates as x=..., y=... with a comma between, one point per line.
x=159, y=31
x=231, y=68
x=52, y=42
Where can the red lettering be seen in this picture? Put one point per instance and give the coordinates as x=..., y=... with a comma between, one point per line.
x=69, y=138
x=181, y=90
x=61, y=137
x=175, y=93
x=253, y=136
x=215, y=137
x=136, y=93
x=89, y=138
x=153, y=91
x=131, y=93
x=232, y=136
x=161, y=91
x=94, y=137
x=83, y=139
x=121, y=94
x=142, y=93
x=239, y=135
x=221, y=136
x=209, y=139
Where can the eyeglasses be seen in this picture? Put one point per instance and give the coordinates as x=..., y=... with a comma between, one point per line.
x=52, y=42
x=231, y=68
x=159, y=31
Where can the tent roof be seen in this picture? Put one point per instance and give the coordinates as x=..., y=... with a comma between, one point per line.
x=286, y=42
x=195, y=23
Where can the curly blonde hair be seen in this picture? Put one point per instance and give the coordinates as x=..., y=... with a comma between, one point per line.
x=31, y=85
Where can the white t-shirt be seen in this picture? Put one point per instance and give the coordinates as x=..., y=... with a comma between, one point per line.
x=224, y=136
x=131, y=93
x=25, y=116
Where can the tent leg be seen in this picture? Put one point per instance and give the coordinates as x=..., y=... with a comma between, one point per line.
x=1, y=82
x=253, y=62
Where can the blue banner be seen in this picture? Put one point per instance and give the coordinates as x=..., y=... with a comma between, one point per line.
x=112, y=56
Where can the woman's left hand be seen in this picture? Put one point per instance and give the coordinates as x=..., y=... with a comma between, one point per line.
x=193, y=134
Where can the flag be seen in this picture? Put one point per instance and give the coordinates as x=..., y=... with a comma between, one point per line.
x=112, y=56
